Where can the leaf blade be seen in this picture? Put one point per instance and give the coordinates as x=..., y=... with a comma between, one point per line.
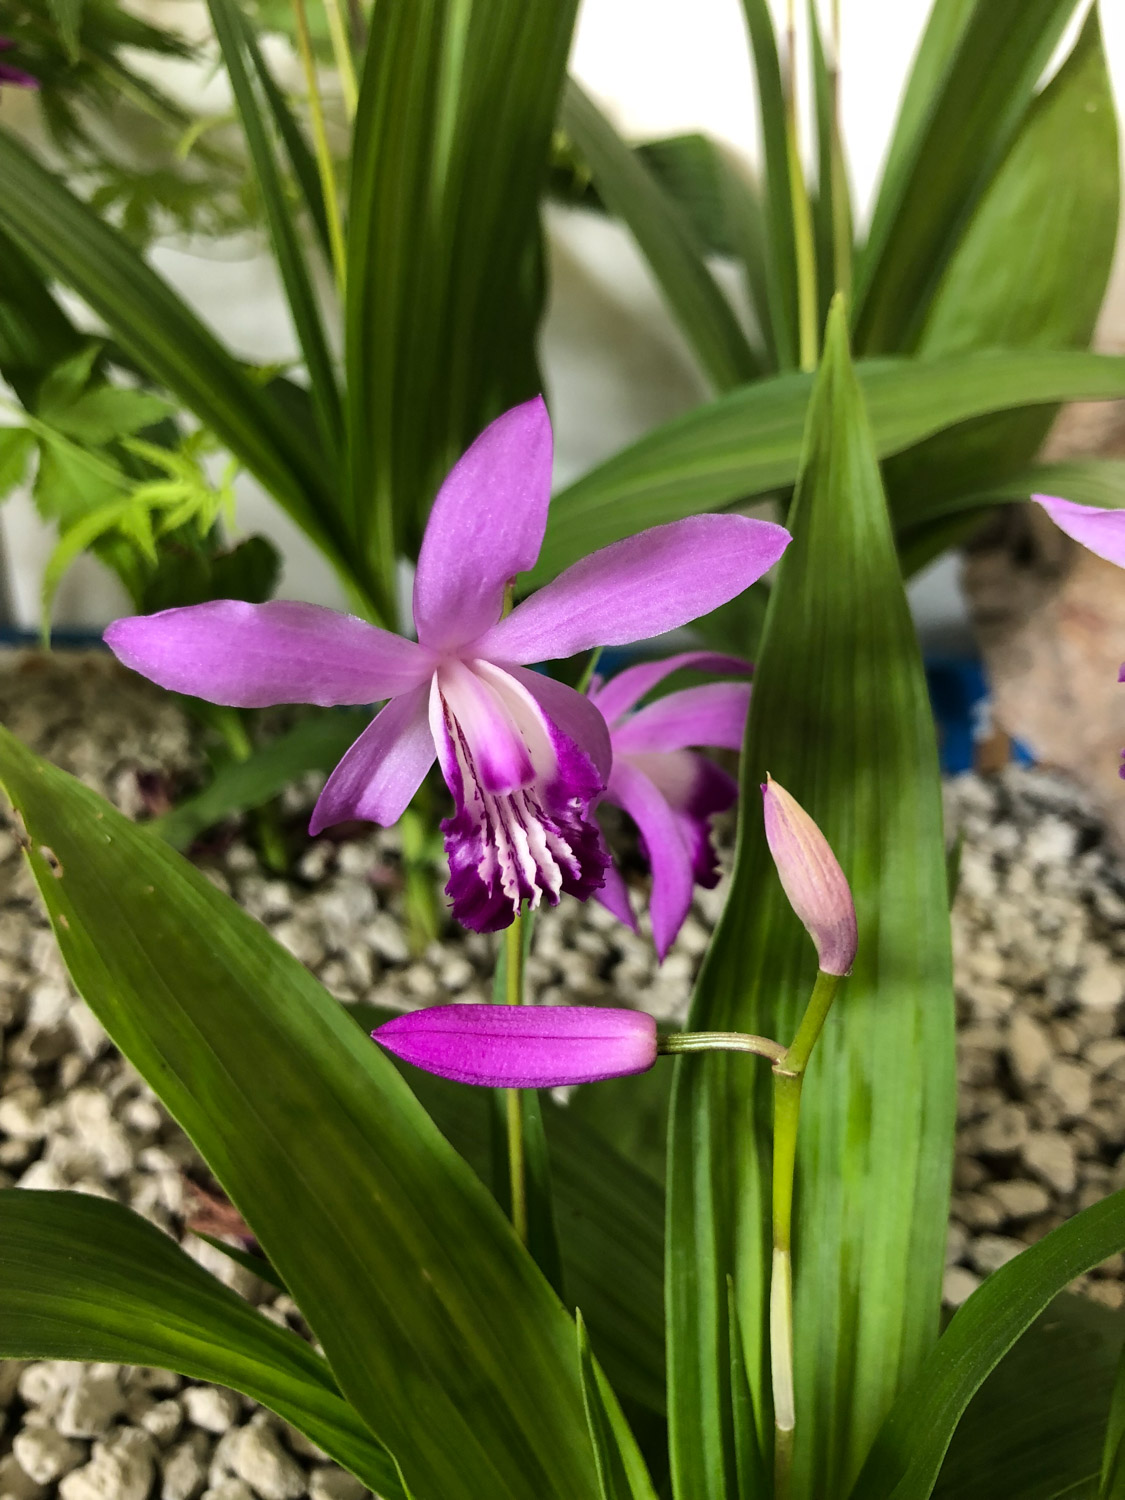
x=840, y=716
x=85, y=1278
x=906, y=1457
x=421, y=1296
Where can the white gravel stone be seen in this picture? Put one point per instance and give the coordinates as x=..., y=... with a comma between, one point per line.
x=958, y=1284
x=1100, y=985
x=185, y=1469
x=1029, y=1048
x=335, y=1484
x=1071, y=1086
x=91, y=1406
x=16, y=1482
x=1004, y=1131
x=211, y=1407
x=260, y=1460
x=121, y=1469
x=162, y=1420
x=229, y=1489
x=45, y=1455
x=1021, y=1199
x=991, y=1251
x=1051, y=1158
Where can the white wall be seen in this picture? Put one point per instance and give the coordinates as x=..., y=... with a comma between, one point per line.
x=614, y=363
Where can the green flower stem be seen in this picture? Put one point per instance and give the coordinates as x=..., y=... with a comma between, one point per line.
x=804, y=243
x=721, y=1041
x=517, y=1171
x=841, y=219
x=787, y=1080
x=323, y=153
x=342, y=52
x=271, y=841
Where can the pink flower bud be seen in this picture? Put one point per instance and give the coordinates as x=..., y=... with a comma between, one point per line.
x=522, y=1046
x=813, y=880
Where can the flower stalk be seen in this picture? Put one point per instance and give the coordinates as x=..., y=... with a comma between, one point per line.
x=788, y=1077
x=323, y=151
x=517, y=1165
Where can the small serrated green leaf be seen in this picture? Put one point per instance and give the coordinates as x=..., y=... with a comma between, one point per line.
x=16, y=446
x=107, y=412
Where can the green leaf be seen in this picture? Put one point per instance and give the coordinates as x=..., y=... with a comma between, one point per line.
x=445, y=280
x=1112, y=1476
x=68, y=19
x=166, y=338
x=16, y=447
x=780, y=240
x=1034, y=1430
x=665, y=238
x=302, y=163
x=84, y=1278
x=230, y=30
x=841, y=717
x=1088, y=481
x=621, y=1469
x=748, y=442
x=107, y=412
x=831, y=207
x=35, y=333
x=1013, y=281
x=907, y=1455
x=317, y=743
x=437, y=1325
x=978, y=74
x=610, y=1216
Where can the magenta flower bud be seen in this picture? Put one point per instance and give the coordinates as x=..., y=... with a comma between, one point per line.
x=813, y=880
x=522, y=1047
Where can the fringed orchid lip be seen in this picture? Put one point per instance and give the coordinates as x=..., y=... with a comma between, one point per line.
x=522, y=792
x=522, y=1046
x=523, y=756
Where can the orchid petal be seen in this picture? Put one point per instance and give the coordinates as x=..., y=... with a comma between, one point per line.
x=383, y=769
x=614, y=896
x=642, y=586
x=668, y=856
x=488, y=726
x=255, y=655
x=714, y=714
x=486, y=526
x=627, y=688
x=572, y=713
x=1099, y=531
x=527, y=840
x=522, y=1047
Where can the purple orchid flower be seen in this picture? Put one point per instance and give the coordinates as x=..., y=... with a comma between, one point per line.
x=524, y=756
x=1101, y=531
x=522, y=1046
x=10, y=74
x=668, y=790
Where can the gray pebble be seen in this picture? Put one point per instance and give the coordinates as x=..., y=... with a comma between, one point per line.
x=211, y=1407
x=259, y=1458
x=958, y=1285
x=44, y=1454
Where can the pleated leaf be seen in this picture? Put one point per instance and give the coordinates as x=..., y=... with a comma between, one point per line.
x=748, y=442
x=906, y=1458
x=621, y=1469
x=438, y=1327
x=840, y=717
x=665, y=238
x=1025, y=276
x=1036, y=1428
x=457, y=105
x=83, y=1278
x=979, y=75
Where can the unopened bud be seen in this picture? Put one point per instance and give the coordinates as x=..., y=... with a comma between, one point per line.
x=522, y=1046
x=813, y=880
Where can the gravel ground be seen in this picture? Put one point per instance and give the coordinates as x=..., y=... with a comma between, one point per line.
x=1039, y=927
